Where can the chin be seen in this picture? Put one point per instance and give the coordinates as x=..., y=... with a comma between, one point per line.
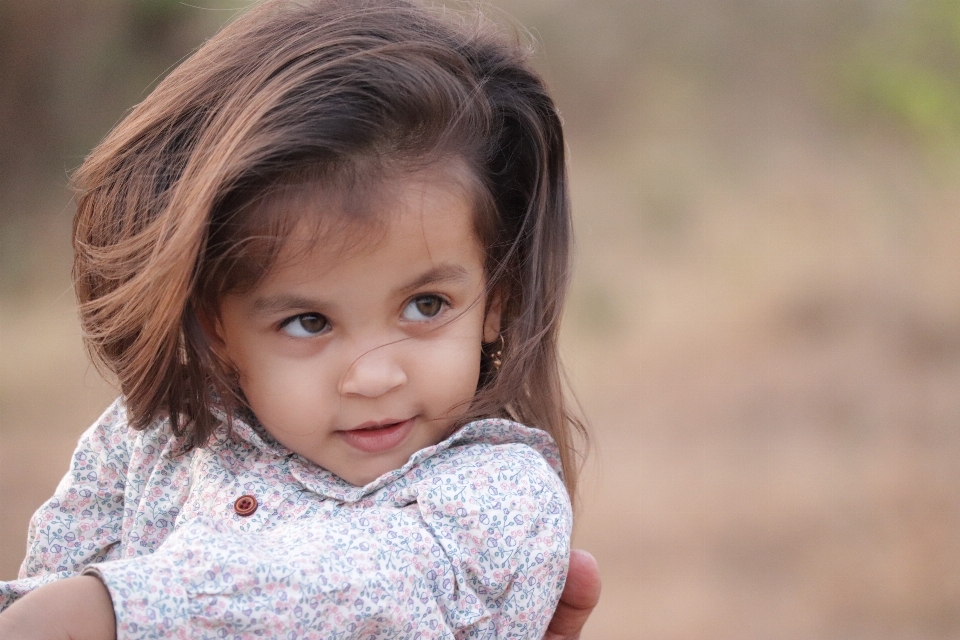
x=365, y=476
x=362, y=481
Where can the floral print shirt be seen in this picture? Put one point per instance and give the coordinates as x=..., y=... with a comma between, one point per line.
x=469, y=539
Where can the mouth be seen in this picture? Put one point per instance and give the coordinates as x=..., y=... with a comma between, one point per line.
x=376, y=437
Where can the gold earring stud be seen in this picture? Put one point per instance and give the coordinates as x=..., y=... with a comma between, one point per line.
x=496, y=358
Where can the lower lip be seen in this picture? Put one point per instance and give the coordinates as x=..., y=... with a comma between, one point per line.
x=378, y=440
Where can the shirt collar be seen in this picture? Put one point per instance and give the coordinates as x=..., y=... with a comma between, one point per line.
x=491, y=431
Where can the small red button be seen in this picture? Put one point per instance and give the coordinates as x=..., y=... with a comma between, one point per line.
x=245, y=505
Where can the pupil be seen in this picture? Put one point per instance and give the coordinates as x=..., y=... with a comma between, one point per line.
x=312, y=323
x=428, y=306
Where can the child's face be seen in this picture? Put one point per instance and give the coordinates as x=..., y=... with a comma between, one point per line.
x=357, y=359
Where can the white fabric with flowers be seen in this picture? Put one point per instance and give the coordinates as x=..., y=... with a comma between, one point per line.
x=469, y=539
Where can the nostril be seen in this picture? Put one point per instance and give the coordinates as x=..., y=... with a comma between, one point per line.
x=372, y=374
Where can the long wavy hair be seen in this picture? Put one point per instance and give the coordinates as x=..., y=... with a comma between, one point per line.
x=174, y=206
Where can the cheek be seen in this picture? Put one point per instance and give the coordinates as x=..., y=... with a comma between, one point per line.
x=449, y=371
x=285, y=394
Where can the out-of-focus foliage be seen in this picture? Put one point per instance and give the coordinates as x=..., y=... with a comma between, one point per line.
x=68, y=70
x=907, y=69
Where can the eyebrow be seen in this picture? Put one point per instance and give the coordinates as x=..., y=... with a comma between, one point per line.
x=274, y=304
x=281, y=303
x=441, y=273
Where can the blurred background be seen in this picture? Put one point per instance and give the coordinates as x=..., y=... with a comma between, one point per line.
x=764, y=329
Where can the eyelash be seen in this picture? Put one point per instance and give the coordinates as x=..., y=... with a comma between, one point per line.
x=444, y=304
x=306, y=334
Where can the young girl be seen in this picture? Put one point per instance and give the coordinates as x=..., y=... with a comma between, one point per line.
x=325, y=260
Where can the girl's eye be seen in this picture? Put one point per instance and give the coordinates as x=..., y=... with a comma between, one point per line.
x=423, y=308
x=306, y=325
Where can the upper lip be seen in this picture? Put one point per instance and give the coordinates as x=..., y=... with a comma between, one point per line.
x=373, y=424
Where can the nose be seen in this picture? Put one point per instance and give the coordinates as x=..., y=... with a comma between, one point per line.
x=373, y=374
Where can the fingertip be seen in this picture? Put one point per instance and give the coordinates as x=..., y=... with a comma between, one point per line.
x=583, y=581
x=584, y=559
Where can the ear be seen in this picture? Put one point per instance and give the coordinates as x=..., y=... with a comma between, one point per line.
x=491, y=321
x=213, y=332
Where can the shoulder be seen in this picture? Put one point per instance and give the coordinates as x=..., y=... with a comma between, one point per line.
x=497, y=446
x=110, y=450
x=502, y=516
x=514, y=466
x=108, y=441
x=112, y=432
x=113, y=428
x=494, y=465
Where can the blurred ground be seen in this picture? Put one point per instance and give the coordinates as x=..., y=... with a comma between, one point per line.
x=765, y=325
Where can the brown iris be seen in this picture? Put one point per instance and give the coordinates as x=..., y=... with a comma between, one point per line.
x=313, y=323
x=429, y=305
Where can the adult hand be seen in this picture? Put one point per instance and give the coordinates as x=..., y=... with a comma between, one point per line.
x=579, y=597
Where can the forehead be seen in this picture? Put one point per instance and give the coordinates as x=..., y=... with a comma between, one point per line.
x=350, y=217
x=424, y=219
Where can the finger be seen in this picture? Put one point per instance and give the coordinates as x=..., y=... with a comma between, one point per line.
x=582, y=590
x=580, y=595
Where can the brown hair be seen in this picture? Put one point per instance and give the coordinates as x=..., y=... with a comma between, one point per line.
x=340, y=93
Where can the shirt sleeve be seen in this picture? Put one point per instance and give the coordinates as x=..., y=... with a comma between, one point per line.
x=504, y=521
x=481, y=551
x=82, y=522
